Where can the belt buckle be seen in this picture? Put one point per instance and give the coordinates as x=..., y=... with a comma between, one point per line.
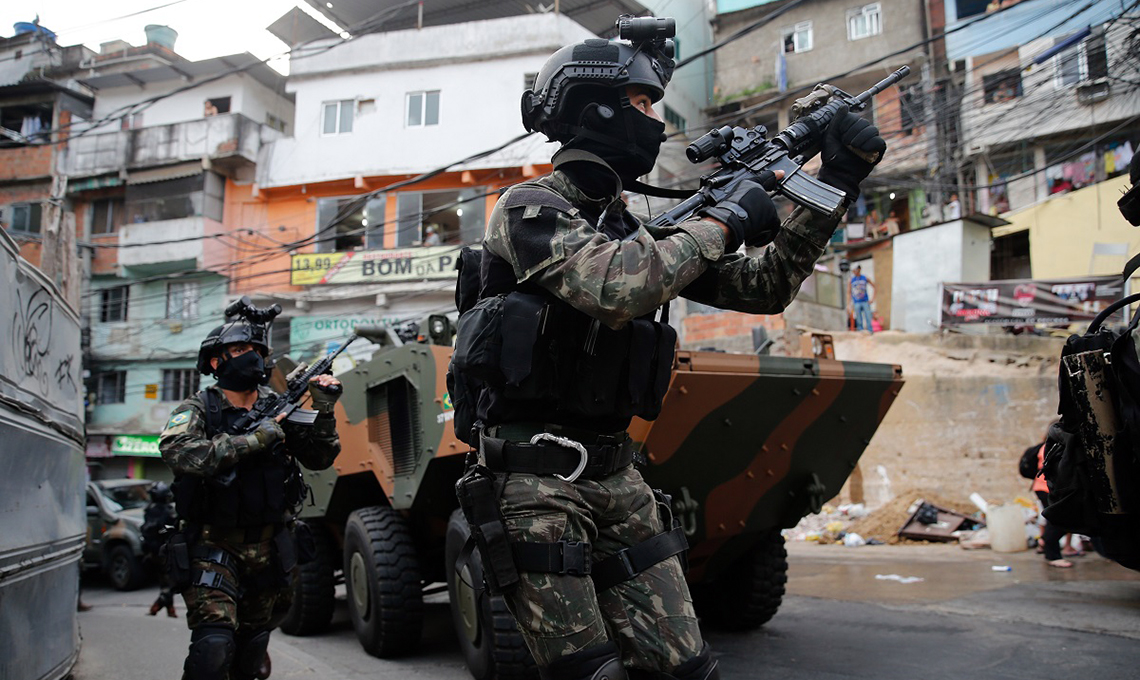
x=567, y=443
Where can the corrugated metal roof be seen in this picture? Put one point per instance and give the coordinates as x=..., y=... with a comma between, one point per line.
x=191, y=71
x=598, y=16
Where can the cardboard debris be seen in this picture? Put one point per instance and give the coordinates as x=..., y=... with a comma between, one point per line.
x=929, y=522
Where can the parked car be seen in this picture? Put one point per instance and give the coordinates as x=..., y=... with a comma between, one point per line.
x=114, y=537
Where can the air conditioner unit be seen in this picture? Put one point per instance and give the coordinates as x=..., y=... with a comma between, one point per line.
x=975, y=149
x=1093, y=91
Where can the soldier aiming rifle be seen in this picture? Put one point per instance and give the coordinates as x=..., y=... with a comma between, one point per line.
x=235, y=448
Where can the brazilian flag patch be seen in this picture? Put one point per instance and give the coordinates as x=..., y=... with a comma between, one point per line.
x=179, y=419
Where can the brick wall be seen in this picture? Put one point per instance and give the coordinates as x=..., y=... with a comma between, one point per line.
x=25, y=162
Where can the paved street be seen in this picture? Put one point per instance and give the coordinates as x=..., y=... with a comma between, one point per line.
x=964, y=620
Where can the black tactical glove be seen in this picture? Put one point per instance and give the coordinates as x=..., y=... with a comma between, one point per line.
x=749, y=214
x=851, y=149
x=267, y=434
x=324, y=398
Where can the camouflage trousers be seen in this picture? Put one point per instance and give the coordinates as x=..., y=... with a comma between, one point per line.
x=649, y=617
x=264, y=594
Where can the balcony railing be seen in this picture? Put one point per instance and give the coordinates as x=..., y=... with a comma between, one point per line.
x=231, y=138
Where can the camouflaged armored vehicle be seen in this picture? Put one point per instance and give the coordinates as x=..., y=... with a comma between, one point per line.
x=746, y=445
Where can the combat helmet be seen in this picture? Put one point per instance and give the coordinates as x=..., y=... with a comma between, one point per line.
x=160, y=492
x=238, y=330
x=643, y=56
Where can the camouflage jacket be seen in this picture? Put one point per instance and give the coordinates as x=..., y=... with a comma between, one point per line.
x=617, y=277
x=188, y=451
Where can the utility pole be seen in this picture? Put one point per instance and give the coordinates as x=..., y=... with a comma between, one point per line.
x=59, y=258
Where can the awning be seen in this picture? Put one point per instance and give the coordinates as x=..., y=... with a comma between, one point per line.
x=164, y=173
x=75, y=186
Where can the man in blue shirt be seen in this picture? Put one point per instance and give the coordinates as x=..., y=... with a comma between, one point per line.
x=860, y=300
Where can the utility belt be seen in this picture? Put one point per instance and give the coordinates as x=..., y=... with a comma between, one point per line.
x=292, y=545
x=549, y=454
x=564, y=452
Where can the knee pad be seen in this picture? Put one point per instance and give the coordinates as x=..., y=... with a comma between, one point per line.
x=701, y=667
x=250, y=654
x=211, y=651
x=592, y=663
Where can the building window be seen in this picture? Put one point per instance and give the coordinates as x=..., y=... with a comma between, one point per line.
x=864, y=22
x=25, y=217
x=131, y=121
x=198, y=195
x=912, y=111
x=275, y=122
x=798, y=38
x=675, y=119
x=1002, y=86
x=113, y=303
x=1085, y=61
x=337, y=117
x=423, y=108
x=216, y=106
x=111, y=387
x=182, y=300
x=345, y=224
x=454, y=216
x=106, y=216
x=179, y=383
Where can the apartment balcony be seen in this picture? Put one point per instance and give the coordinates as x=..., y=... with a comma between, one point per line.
x=165, y=246
x=229, y=141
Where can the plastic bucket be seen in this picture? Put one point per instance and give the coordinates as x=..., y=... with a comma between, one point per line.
x=1007, y=528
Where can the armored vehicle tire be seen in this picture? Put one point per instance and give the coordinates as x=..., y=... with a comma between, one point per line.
x=382, y=577
x=123, y=568
x=314, y=592
x=749, y=593
x=491, y=644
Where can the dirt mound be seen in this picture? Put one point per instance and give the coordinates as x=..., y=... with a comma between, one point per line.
x=885, y=522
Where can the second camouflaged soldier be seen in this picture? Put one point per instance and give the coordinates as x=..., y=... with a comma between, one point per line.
x=236, y=495
x=565, y=341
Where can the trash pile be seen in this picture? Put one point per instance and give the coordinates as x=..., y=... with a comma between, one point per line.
x=923, y=516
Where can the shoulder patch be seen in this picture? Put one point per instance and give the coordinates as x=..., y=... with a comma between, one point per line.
x=179, y=419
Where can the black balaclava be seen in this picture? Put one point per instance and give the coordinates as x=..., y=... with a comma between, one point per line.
x=241, y=373
x=612, y=129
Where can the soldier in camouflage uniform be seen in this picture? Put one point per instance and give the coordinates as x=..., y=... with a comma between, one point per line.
x=236, y=495
x=594, y=577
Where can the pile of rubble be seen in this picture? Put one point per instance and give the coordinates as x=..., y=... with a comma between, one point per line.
x=918, y=515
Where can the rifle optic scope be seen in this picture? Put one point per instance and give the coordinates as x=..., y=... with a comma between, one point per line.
x=710, y=144
x=245, y=309
x=645, y=29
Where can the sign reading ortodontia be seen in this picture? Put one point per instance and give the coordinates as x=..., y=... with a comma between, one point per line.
x=1019, y=302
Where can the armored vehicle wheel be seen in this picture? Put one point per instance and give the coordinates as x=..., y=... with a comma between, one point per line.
x=123, y=568
x=491, y=644
x=314, y=592
x=748, y=594
x=382, y=577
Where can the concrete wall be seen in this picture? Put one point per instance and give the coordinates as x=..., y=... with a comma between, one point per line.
x=749, y=63
x=951, y=252
x=969, y=408
x=479, y=69
x=247, y=96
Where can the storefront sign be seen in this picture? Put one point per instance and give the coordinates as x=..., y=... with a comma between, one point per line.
x=1022, y=302
x=151, y=391
x=135, y=445
x=374, y=266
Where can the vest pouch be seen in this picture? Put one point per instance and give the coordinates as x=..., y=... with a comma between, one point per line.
x=527, y=369
x=599, y=369
x=190, y=498
x=651, y=349
x=479, y=342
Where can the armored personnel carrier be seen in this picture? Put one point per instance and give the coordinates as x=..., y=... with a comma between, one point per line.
x=745, y=445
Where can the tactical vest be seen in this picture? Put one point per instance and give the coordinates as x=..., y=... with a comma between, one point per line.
x=537, y=359
x=263, y=489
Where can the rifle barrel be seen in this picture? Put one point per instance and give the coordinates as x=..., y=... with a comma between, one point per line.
x=883, y=84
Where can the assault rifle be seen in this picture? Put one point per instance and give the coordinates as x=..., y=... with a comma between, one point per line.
x=746, y=154
x=288, y=401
